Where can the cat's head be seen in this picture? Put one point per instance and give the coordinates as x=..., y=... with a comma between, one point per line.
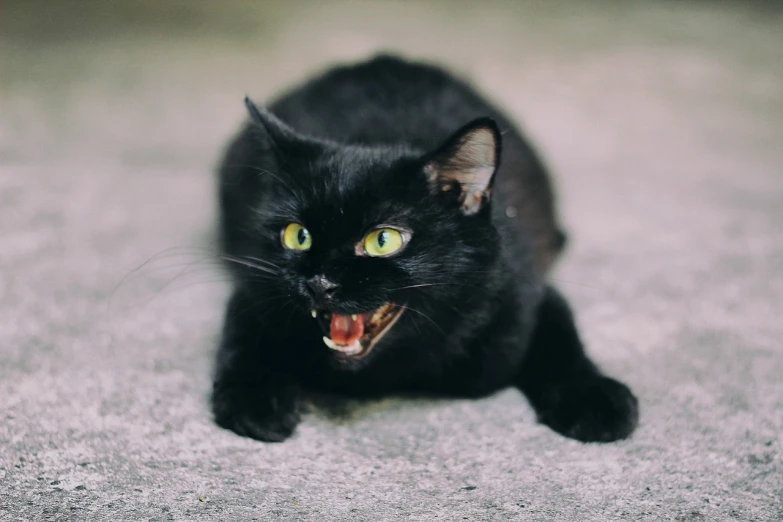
x=362, y=238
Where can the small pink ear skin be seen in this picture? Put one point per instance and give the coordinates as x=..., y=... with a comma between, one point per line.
x=468, y=159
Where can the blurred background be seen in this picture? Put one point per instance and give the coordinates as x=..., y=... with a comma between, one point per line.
x=662, y=122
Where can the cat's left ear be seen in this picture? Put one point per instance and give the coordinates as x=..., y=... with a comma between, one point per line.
x=271, y=129
x=465, y=165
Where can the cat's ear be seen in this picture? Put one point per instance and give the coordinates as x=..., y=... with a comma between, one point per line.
x=270, y=128
x=465, y=165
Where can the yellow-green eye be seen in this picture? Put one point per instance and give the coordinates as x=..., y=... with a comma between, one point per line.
x=383, y=242
x=296, y=237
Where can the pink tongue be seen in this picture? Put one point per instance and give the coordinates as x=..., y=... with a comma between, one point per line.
x=345, y=330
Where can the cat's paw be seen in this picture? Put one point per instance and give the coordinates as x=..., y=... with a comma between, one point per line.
x=594, y=410
x=265, y=416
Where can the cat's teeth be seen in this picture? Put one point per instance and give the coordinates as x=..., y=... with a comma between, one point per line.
x=314, y=313
x=350, y=349
x=354, y=317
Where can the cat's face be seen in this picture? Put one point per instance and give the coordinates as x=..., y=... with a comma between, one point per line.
x=362, y=238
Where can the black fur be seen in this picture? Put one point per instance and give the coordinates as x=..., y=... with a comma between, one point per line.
x=355, y=148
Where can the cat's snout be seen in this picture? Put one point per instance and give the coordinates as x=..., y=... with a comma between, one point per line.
x=321, y=288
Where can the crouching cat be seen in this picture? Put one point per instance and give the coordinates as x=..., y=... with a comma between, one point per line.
x=389, y=231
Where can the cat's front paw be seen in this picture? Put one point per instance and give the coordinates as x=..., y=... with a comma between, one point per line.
x=594, y=410
x=261, y=415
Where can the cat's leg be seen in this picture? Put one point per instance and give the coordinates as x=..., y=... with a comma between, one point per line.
x=568, y=392
x=252, y=393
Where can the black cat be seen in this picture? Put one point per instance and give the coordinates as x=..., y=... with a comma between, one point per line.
x=380, y=245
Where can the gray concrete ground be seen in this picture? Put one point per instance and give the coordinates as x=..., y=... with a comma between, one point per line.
x=663, y=122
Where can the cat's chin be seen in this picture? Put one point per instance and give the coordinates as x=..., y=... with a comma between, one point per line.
x=358, y=333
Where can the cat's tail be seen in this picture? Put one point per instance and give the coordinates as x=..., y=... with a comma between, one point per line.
x=560, y=241
x=553, y=249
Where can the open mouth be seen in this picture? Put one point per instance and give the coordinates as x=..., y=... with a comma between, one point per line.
x=353, y=336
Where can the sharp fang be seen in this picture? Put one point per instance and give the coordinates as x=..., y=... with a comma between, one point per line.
x=314, y=313
x=351, y=349
x=354, y=317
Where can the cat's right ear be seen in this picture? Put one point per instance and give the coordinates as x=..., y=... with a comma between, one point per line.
x=464, y=167
x=269, y=128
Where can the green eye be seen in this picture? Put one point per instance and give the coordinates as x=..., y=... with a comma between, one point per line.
x=296, y=237
x=383, y=242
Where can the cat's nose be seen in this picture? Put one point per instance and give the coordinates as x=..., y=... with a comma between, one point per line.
x=322, y=288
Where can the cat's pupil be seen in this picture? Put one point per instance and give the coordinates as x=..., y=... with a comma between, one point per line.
x=382, y=238
x=301, y=236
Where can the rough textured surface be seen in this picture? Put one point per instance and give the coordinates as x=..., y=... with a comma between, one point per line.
x=663, y=123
